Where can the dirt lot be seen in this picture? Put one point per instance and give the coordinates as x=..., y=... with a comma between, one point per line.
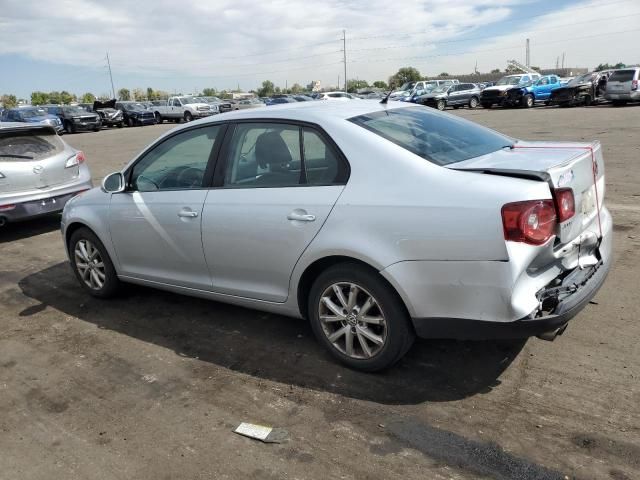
x=149, y=386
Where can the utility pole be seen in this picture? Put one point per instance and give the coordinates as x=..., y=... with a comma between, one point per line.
x=344, y=57
x=113, y=90
x=563, y=60
x=528, y=58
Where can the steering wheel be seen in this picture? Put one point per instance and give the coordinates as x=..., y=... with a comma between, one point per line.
x=190, y=177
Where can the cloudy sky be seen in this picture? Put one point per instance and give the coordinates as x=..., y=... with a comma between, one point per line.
x=192, y=44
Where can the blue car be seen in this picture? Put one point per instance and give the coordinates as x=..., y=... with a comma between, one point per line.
x=32, y=115
x=537, y=91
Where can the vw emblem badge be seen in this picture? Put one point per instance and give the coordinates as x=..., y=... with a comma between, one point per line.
x=38, y=169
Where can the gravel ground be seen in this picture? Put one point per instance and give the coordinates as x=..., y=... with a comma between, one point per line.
x=150, y=385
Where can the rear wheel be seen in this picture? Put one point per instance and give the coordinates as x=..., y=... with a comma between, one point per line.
x=91, y=264
x=358, y=317
x=473, y=102
x=69, y=127
x=130, y=122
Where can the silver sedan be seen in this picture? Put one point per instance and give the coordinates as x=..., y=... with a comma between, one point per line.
x=39, y=172
x=375, y=222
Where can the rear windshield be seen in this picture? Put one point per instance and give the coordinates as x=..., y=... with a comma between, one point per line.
x=27, y=146
x=622, y=76
x=439, y=138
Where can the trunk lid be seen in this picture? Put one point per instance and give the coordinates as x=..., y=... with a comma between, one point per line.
x=32, y=159
x=562, y=165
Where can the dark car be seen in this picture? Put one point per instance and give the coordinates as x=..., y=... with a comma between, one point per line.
x=75, y=118
x=108, y=112
x=135, y=114
x=279, y=100
x=585, y=89
x=456, y=95
x=32, y=115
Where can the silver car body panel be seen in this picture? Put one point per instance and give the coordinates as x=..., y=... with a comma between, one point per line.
x=434, y=233
x=41, y=185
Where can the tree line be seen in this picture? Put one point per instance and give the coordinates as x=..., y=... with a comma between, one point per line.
x=267, y=89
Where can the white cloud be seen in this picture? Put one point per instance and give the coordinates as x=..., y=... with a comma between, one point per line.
x=228, y=41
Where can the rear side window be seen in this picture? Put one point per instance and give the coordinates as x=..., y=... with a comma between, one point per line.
x=622, y=76
x=28, y=146
x=440, y=139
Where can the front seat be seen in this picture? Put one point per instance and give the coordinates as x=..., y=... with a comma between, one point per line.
x=273, y=154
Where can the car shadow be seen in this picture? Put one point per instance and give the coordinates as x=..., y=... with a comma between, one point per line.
x=29, y=228
x=271, y=346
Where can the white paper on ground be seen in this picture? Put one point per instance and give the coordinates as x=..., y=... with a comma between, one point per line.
x=258, y=432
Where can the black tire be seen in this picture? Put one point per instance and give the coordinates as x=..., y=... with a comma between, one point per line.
x=528, y=101
x=473, y=102
x=120, y=124
x=487, y=105
x=441, y=105
x=159, y=118
x=130, y=122
x=188, y=117
x=547, y=103
x=69, y=127
x=586, y=101
x=111, y=282
x=399, y=331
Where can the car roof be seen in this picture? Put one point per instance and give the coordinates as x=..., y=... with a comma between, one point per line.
x=19, y=126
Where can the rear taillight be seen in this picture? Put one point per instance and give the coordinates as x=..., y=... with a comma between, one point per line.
x=7, y=207
x=74, y=160
x=565, y=203
x=532, y=222
x=634, y=84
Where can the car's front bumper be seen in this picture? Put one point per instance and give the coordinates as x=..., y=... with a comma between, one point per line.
x=22, y=207
x=87, y=126
x=487, y=299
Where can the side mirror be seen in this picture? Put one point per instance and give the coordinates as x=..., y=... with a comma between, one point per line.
x=113, y=183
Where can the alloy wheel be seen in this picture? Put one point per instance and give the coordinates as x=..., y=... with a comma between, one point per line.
x=352, y=320
x=90, y=264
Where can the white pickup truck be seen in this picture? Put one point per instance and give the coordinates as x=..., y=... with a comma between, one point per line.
x=181, y=108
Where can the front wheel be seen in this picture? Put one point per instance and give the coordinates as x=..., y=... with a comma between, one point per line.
x=92, y=265
x=188, y=117
x=159, y=118
x=358, y=317
x=441, y=105
x=473, y=102
x=527, y=101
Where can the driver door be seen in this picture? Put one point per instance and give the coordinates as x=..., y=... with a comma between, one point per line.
x=156, y=223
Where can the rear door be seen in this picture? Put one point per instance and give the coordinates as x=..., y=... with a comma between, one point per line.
x=620, y=82
x=156, y=223
x=275, y=185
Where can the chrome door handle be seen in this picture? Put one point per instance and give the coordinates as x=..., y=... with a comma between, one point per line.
x=301, y=217
x=187, y=213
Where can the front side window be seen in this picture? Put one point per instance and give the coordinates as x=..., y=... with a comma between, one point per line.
x=543, y=81
x=178, y=163
x=440, y=139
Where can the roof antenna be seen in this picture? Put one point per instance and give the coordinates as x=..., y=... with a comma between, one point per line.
x=386, y=99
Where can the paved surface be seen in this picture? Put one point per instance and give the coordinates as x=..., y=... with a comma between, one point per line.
x=149, y=386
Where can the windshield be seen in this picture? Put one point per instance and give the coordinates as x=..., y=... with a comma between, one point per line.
x=190, y=100
x=131, y=107
x=441, y=89
x=74, y=109
x=622, y=76
x=440, y=139
x=509, y=81
x=32, y=112
x=407, y=86
x=584, y=78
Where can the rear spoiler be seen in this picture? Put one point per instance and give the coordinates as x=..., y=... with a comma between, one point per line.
x=27, y=128
x=506, y=172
